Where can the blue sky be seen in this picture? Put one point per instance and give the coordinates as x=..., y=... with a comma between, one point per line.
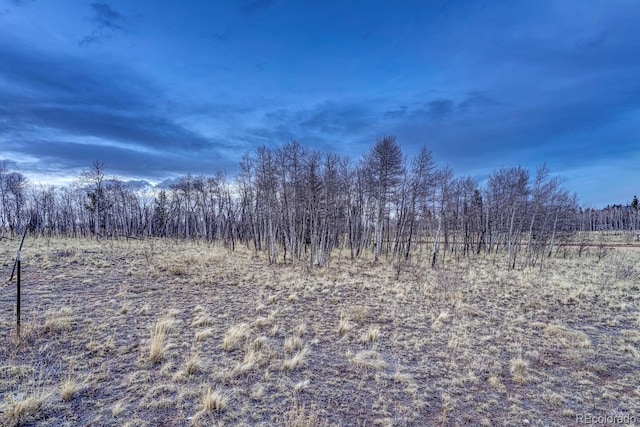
x=161, y=88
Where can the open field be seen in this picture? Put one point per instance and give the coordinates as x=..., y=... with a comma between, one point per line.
x=172, y=333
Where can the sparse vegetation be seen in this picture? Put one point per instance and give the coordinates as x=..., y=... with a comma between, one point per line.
x=235, y=336
x=214, y=400
x=159, y=344
x=471, y=340
x=371, y=335
x=298, y=416
x=296, y=360
x=368, y=359
x=69, y=389
x=519, y=368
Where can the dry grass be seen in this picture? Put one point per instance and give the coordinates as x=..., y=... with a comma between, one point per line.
x=291, y=344
x=193, y=365
x=301, y=386
x=250, y=360
x=567, y=336
x=69, y=389
x=298, y=416
x=235, y=336
x=58, y=321
x=368, y=359
x=118, y=408
x=371, y=335
x=518, y=369
x=115, y=337
x=214, y=400
x=345, y=326
x=204, y=334
x=32, y=407
x=159, y=344
x=296, y=360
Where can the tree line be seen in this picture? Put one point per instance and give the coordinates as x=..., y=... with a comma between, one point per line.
x=299, y=205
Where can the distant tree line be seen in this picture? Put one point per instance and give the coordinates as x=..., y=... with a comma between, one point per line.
x=299, y=205
x=611, y=218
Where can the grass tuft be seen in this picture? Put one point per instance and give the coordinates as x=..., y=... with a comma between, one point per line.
x=29, y=408
x=567, y=336
x=519, y=368
x=371, y=335
x=235, y=336
x=118, y=408
x=292, y=344
x=193, y=365
x=344, y=326
x=159, y=346
x=368, y=360
x=214, y=400
x=69, y=389
x=204, y=334
x=58, y=321
x=296, y=360
x=298, y=416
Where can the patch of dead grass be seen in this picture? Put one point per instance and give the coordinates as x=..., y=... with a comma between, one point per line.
x=368, y=360
x=159, y=337
x=296, y=360
x=215, y=400
x=235, y=336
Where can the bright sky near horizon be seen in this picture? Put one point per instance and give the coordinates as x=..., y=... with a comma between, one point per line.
x=161, y=88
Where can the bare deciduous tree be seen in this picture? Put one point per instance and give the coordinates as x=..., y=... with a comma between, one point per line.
x=385, y=165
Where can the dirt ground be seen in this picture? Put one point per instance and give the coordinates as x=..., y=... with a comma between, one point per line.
x=148, y=333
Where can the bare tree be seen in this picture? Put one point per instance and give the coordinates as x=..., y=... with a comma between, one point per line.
x=93, y=183
x=299, y=205
x=385, y=164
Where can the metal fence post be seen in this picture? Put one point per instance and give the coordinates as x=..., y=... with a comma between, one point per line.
x=18, y=261
x=19, y=249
